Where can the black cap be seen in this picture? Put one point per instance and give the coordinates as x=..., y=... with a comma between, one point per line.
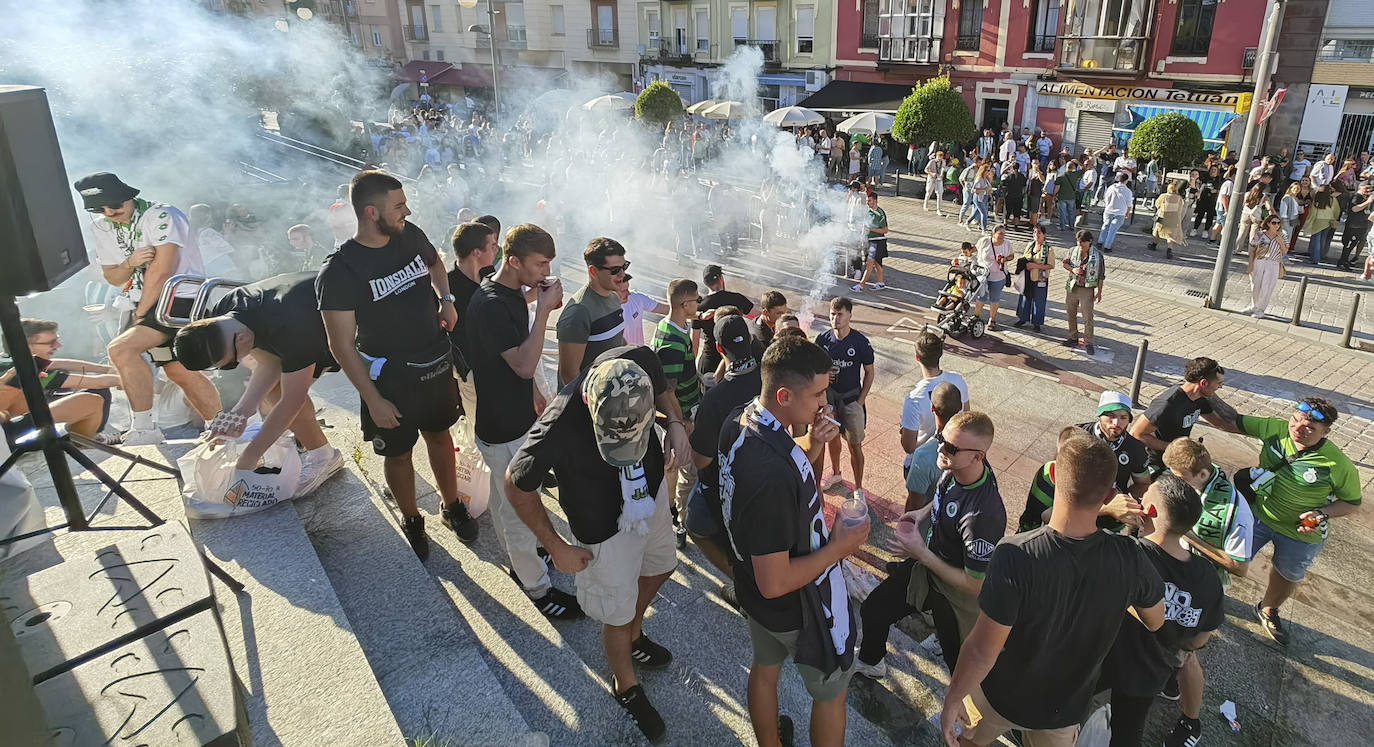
x=101, y=189
x=732, y=333
x=712, y=273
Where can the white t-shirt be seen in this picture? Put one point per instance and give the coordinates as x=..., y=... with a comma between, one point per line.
x=1227, y=187
x=916, y=414
x=1008, y=149
x=633, y=309
x=155, y=225
x=825, y=146
x=1299, y=169
x=1117, y=199
x=1124, y=163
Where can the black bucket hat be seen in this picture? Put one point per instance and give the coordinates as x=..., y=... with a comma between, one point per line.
x=102, y=189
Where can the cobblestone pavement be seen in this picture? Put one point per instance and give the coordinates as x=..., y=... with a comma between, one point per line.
x=1189, y=275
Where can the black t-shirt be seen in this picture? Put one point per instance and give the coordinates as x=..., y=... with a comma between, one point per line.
x=1139, y=662
x=282, y=313
x=562, y=440
x=1173, y=413
x=1064, y=599
x=388, y=290
x=967, y=522
x=462, y=287
x=710, y=357
x=762, y=334
x=51, y=378
x=720, y=403
x=498, y=320
x=1131, y=458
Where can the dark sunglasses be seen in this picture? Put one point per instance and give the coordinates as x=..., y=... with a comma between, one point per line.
x=949, y=449
x=100, y=210
x=1310, y=412
x=614, y=270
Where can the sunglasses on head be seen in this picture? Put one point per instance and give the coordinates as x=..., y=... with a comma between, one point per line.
x=1310, y=412
x=614, y=270
x=949, y=449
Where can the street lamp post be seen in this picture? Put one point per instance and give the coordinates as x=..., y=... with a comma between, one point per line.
x=491, y=38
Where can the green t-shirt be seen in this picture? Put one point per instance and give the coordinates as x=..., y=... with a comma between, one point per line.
x=877, y=218
x=674, y=348
x=1303, y=480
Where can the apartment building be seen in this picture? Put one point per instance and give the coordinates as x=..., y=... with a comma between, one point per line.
x=685, y=42
x=1338, y=104
x=1086, y=71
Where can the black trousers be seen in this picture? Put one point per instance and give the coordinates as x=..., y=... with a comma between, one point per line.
x=887, y=604
x=1352, y=241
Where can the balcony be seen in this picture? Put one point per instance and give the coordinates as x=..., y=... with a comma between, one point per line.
x=416, y=33
x=350, y=9
x=1346, y=50
x=921, y=50
x=665, y=50
x=1102, y=54
x=603, y=38
x=769, y=47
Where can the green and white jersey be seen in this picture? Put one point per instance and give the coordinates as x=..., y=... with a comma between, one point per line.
x=153, y=224
x=1303, y=480
x=1227, y=523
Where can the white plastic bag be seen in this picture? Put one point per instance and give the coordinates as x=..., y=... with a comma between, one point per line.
x=474, y=479
x=212, y=491
x=1097, y=732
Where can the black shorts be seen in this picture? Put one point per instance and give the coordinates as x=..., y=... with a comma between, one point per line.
x=877, y=250
x=425, y=393
x=162, y=354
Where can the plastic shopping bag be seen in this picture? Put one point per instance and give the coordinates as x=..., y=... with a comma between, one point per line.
x=1097, y=732
x=474, y=479
x=215, y=490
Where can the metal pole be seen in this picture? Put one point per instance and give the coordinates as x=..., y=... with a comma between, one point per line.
x=1350, y=321
x=1139, y=372
x=1263, y=71
x=1297, y=304
x=491, y=37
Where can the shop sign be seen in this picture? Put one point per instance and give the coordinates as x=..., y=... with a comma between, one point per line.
x=1141, y=93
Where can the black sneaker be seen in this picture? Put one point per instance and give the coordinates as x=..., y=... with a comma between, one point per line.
x=1089, y=349
x=1272, y=625
x=559, y=605
x=543, y=554
x=1035, y=328
x=1170, y=689
x=727, y=595
x=646, y=653
x=414, y=529
x=1019, y=323
x=1072, y=342
x=456, y=517
x=1187, y=733
x=680, y=533
x=786, y=730
x=637, y=704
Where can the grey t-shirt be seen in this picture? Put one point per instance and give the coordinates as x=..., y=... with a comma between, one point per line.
x=593, y=320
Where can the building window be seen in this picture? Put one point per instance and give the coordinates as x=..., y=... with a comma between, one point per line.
x=439, y=55
x=436, y=18
x=651, y=20
x=1346, y=50
x=1044, y=27
x=806, y=28
x=868, y=38
x=424, y=55
x=1193, y=34
x=768, y=96
x=1103, y=34
x=353, y=35
x=739, y=25
x=910, y=30
x=556, y=22
x=970, y=26
x=515, y=22
x=376, y=38
x=703, y=31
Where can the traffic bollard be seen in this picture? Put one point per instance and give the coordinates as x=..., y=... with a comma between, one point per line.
x=1350, y=321
x=1139, y=372
x=1297, y=304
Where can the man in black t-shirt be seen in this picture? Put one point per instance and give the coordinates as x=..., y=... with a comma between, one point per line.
x=1173, y=413
x=1113, y=419
x=277, y=322
x=597, y=435
x=772, y=305
x=1051, y=606
x=742, y=383
x=713, y=277
x=475, y=246
x=1141, y=660
x=779, y=544
x=951, y=540
x=386, y=328
x=851, y=356
x=503, y=350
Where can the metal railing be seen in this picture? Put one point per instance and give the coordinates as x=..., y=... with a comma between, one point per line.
x=416, y=33
x=968, y=42
x=769, y=47
x=1346, y=50
x=1042, y=43
x=666, y=50
x=1121, y=54
x=868, y=41
x=600, y=38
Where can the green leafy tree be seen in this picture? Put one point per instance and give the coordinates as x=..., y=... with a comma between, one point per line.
x=934, y=111
x=1171, y=137
x=658, y=104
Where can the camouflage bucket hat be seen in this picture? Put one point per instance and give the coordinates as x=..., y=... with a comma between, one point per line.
x=620, y=398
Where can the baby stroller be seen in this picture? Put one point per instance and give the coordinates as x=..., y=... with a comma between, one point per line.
x=956, y=307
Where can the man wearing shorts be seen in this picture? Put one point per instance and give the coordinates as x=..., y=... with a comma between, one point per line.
x=1051, y=605
x=779, y=545
x=850, y=353
x=275, y=327
x=1302, y=481
x=1173, y=413
x=139, y=245
x=597, y=436
x=386, y=306
x=877, y=245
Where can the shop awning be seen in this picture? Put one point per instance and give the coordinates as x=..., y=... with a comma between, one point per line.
x=445, y=74
x=1212, y=122
x=855, y=96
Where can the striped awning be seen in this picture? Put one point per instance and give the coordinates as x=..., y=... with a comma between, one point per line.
x=1212, y=122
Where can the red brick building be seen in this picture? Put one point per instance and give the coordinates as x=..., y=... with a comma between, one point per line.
x=1083, y=70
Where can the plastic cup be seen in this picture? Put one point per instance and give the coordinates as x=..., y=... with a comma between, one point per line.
x=853, y=512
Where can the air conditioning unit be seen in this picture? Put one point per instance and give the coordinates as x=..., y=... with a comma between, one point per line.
x=816, y=80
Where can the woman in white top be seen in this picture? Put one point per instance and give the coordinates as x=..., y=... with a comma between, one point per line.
x=1267, y=249
x=991, y=256
x=1256, y=209
x=1290, y=208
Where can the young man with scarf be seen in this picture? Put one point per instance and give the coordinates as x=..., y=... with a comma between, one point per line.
x=597, y=436
x=1087, y=273
x=787, y=571
x=1133, y=463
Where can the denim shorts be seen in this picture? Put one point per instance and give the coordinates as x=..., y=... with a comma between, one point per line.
x=701, y=520
x=995, y=288
x=1292, y=557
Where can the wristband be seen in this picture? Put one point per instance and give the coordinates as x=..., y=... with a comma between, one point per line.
x=679, y=422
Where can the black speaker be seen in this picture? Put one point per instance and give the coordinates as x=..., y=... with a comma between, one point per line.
x=40, y=233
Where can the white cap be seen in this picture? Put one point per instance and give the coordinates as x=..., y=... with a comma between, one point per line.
x=1113, y=401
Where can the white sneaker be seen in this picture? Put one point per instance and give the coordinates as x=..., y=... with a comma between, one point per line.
x=871, y=671
x=317, y=467
x=831, y=482
x=142, y=437
x=879, y=286
x=856, y=288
